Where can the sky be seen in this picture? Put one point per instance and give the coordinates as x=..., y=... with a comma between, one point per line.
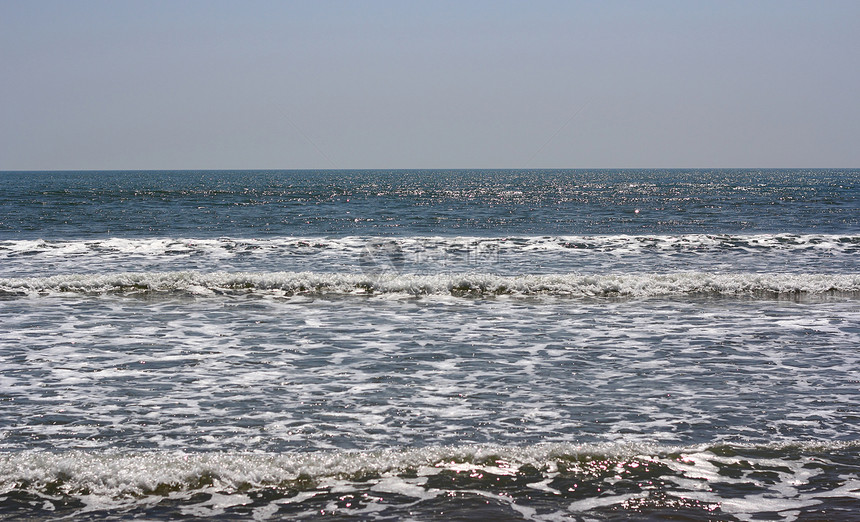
x=379, y=84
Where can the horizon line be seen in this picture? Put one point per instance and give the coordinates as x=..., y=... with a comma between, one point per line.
x=402, y=169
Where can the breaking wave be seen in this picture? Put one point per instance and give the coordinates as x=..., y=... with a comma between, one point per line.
x=457, y=285
x=225, y=247
x=531, y=481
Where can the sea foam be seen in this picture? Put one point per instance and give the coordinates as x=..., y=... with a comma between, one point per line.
x=458, y=285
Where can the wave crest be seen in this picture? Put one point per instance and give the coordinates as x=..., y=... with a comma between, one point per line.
x=583, y=477
x=457, y=285
x=226, y=247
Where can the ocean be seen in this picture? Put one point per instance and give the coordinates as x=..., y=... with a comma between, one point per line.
x=430, y=345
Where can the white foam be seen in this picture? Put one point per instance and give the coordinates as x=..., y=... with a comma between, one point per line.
x=116, y=479
x=406, y=487
x=603, y=501
x=430, y=254
x=226, y=245
x=476, y=284
x=115, y=473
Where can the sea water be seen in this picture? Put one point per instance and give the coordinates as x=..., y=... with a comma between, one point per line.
x=542, y=345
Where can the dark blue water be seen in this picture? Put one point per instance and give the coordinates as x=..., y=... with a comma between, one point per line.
x=402, y=203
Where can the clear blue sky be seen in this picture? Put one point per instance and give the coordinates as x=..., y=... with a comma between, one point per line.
x=185, y=84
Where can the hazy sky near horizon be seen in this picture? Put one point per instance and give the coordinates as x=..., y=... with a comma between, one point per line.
x=164, y=84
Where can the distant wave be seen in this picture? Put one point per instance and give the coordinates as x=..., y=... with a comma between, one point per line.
x=457, y=285
x=226, y=247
